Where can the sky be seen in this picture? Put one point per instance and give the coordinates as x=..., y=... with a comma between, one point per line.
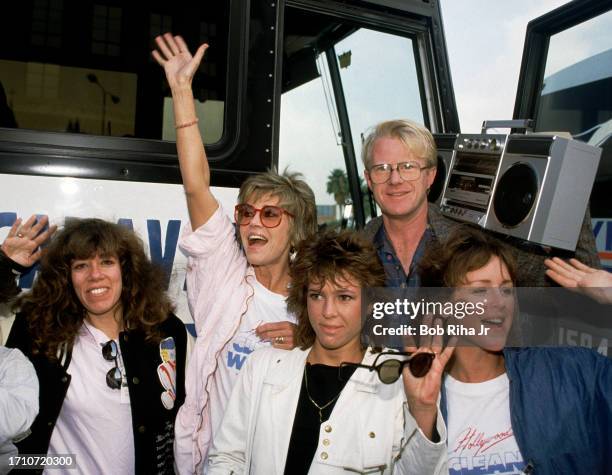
x=484, y=40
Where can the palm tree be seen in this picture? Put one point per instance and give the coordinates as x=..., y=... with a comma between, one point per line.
x=338, y=187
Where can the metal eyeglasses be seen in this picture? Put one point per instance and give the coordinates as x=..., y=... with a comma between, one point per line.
x=408, y=171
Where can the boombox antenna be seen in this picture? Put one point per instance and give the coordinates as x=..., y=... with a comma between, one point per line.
x=525, y=124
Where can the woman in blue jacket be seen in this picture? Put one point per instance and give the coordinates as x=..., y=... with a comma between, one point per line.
x=515, y=410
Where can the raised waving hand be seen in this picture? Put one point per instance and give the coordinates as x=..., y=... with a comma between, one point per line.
x=180, y=67
x=573, y=274
x=178, y=63
x=22, y=244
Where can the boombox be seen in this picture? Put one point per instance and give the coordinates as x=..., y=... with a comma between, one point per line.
x=533, y=187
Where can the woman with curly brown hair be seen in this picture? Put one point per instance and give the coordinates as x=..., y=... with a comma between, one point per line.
x=109, y=354
x=316, y=409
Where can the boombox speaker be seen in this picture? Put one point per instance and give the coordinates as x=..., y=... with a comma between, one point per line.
x=542, y=189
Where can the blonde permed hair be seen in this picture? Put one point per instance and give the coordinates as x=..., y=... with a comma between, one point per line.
x=294, y=195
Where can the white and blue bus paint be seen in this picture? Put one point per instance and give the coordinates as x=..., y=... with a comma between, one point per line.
x=602, y=228
x=158, y=222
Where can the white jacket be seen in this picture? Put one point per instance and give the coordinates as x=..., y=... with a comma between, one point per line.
x=219, y=286
x=18, y=401
x=370, y=429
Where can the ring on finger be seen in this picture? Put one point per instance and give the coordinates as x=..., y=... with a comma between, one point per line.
x=279, y=339
x=20, y=235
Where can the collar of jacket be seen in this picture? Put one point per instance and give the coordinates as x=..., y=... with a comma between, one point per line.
x=441, y=225
x=283, y=375
x=284, y=372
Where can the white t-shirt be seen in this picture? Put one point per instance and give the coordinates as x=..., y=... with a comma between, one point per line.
x=265, y=307
x=480, y=436
x=95, y=421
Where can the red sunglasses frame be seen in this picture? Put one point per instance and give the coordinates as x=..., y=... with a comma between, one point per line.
x=259, y=210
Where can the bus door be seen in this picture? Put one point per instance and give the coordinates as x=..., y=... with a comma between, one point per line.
x=345, y=67
x=565, y=84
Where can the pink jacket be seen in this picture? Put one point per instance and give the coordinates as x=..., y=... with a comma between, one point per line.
x=218, y=290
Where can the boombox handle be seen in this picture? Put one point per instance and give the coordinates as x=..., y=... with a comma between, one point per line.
x=525, y=124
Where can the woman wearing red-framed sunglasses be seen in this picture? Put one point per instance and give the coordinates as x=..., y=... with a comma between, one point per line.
x=236, y=285
x=270, y=216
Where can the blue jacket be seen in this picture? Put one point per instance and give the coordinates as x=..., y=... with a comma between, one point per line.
x=560, y=409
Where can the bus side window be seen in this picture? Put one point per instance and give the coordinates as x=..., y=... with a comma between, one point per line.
x=576, y=96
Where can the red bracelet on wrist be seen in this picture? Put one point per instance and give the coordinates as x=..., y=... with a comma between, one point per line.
x=187, y=124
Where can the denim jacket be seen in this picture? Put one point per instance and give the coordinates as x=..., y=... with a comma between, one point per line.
x=560, y=409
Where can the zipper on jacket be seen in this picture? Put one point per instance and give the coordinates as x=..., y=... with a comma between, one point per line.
x=529, y=467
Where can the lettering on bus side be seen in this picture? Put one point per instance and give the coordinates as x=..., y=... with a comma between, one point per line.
x=602, y=229
x=162, y=254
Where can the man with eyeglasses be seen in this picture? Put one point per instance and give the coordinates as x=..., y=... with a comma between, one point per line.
x=400, y=167
x=400, y=160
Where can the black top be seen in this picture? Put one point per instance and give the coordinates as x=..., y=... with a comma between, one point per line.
x=323, y=385
x=9, y=270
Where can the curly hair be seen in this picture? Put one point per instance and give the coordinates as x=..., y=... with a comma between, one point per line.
x=466, y=249
x=294, y=195
x=324, y=258
x=53, y=311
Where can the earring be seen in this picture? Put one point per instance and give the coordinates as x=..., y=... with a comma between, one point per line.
x=292, y=254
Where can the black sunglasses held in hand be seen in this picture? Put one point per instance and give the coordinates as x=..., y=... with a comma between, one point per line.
x=110, y=351
x=270, y=216
x=390, y=370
